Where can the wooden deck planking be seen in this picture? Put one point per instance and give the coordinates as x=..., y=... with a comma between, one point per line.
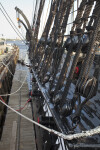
x=26, y=128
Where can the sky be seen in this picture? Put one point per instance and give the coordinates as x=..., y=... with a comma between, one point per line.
x=25, y=5
x=28, y=7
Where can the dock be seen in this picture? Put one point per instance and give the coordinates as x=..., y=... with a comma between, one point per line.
x=8, y=60
x=18, y=133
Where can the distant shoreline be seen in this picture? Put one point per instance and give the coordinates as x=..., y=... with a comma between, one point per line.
x=10, y=39
x=13, y=40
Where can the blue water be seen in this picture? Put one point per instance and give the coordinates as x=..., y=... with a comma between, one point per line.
x=23, y=54
x=23, y=48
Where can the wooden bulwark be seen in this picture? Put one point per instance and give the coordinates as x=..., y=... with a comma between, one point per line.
x=7, y=60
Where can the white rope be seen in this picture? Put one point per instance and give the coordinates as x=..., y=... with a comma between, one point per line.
x=17, y=89
x=23, y=82
x=11, y=72
x=66, y=137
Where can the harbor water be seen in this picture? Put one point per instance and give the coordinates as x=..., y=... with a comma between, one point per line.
x=23, y=56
